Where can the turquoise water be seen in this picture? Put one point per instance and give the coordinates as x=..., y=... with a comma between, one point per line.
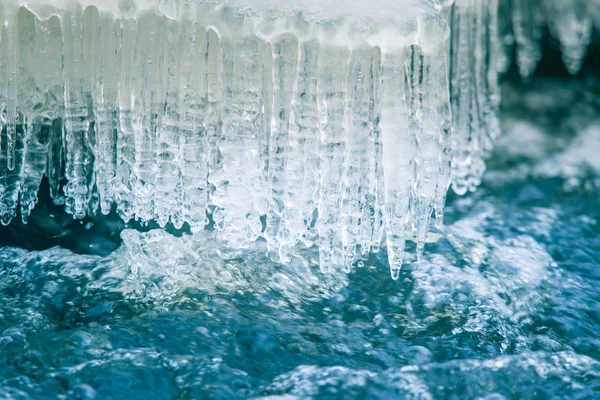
x=505, y=304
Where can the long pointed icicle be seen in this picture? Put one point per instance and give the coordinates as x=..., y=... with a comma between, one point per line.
x=21, y=123
x=50, y=80
x=491, y=108
x=37, y=120
x=193, y=142
x=424, y=124
x=375, y=175
x=105, y=110
x=303, y=162
x=168, y=190
x=355, y=163
x=76, y=123
x=396, y=159
x=505, y=35
x=371, y=199
x=285, y=59
x=89, y=45
x=3, y=84
x=331, y=98
x=214, y=121
x=149, y=90
x=11, y=72
x=12, y=177
x=125, y=146
x=440, y=84
x=461, y=90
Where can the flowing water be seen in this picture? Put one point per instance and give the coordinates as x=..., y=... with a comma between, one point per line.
x=505, y=303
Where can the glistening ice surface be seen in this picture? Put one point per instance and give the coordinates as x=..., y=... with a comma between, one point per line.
x=504, y=305
x=298, y=124
x=295, y=122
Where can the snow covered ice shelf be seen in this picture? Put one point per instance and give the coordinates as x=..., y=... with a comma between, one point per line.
x=326, y=123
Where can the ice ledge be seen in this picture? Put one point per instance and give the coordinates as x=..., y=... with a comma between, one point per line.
x=384, y=23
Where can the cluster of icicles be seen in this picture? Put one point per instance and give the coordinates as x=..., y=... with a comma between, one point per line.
x=345, y=144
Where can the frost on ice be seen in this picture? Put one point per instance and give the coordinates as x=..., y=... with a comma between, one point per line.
x=326, y=123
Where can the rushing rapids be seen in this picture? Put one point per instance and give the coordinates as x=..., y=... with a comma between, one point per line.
x=296, y=122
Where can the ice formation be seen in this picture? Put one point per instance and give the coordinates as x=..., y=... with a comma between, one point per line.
x=335, y=123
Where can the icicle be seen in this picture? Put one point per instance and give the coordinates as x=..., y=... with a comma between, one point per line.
x=168, y=190
x=76, y=124
x=3, y=82
x=571, y=23
x=13, y=177
x=31, y=164
x=462, y=80
x=491, y=108
x=354, y=185
x=441, y=86
x=278, y=232
x=527, y=29
x=372, y=220
x=426, y=120
x=5, y=212
x=54, y=164
x=506, y=38
x=331, y=99
x=193, y=142
x=3, y=89
x=303, y=161
x=10, y=59
x=126, y=153
x=474, y=90
x=90, y=54
x=266, y=123
x=214, y=120
x=19, y=46
x=397, y=158
x=479, y=93
x=105, y=96
x=149, y=107
x=50, y=80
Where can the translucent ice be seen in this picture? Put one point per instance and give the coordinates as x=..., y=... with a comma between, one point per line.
x=521, y=23
x=337, y=123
